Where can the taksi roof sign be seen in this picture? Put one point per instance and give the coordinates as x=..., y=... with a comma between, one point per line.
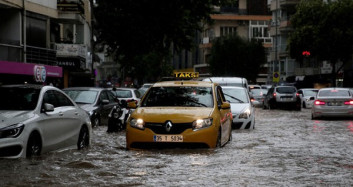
x=186, y=74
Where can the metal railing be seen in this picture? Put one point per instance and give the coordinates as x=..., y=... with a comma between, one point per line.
x=39, y=55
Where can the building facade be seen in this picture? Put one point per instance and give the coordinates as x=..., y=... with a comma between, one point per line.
x=45, y=42
x=249, y=19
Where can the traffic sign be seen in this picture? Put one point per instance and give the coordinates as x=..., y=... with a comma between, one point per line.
x=275, y=77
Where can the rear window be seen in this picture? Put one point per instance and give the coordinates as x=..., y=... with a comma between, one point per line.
x=123, y=93
x=334, y=93
x=286, y=89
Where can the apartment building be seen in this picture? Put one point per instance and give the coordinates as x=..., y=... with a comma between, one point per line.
x=45, y=42
x=249, y=19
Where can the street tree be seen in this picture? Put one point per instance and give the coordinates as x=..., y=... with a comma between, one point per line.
x=325, y=29
x=235, y=56
x=135, y=28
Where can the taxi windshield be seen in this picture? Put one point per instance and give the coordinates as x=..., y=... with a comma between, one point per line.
x=179, y=96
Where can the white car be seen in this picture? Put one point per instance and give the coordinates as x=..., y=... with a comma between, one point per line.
x=126, y=95
x=242, y=109
x=36, y=119
x=333, y=102
x=307, y=96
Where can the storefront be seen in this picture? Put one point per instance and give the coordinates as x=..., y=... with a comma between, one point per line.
x=21, y=73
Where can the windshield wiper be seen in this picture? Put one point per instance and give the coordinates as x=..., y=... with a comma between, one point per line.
x=240, y=101
x=195, y=102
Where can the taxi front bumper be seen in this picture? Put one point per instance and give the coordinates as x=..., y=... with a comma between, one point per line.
x=137, y=138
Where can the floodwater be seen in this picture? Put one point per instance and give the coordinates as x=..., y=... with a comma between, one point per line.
x=286, y=148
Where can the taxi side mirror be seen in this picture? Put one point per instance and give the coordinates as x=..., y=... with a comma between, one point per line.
x=225, y=105
x=132, y=105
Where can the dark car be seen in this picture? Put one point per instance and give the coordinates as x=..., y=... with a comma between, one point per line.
x=98, y=102
x=282, y=96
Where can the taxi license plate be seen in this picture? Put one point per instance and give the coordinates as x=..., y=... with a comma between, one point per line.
x=168, y=138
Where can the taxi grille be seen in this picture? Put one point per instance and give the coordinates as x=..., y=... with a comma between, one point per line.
x=177, y=128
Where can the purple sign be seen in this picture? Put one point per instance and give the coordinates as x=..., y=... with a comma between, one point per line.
x=39, y=71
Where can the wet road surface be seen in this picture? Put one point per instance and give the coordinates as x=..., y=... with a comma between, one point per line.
x=286, y=148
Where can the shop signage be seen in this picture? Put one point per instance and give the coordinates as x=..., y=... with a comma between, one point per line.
x=40, y=73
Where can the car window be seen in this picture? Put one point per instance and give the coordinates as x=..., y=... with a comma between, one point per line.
x=286, y=89
x=137, y=93
x=62, y=100
x=179, y=96
x=123, y=93
x=219, y=97
x=49, y=97
x=111, y=97
x=258, y=92
x=103, y=96
x=14, y=98
x=82, y=96
x=334, y=93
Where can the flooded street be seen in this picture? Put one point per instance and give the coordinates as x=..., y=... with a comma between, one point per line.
x=286, y=148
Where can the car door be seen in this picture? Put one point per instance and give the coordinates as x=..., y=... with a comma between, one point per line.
x=59, y=126
x=226, y=123
x=106, y=102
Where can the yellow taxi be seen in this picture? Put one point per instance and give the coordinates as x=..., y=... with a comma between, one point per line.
x=180, y=113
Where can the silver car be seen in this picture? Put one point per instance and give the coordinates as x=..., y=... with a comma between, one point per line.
x=36, y=119
x=241, y=107
x=282, y=96
x=333, y=102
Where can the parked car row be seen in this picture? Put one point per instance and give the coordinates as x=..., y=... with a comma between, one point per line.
x=36, y=119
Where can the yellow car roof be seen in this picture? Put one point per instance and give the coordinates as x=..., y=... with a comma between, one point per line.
x=184, y=83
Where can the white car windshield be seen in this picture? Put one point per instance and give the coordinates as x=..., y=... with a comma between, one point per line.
x=234, y=95
x=82, y=96
x=18, y=98
x=179, y=96
x=310, y=92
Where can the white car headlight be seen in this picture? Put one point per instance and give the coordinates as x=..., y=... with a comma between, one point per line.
x=202, y=123
x=245, y=114
x=137, y=123
x=12, y=131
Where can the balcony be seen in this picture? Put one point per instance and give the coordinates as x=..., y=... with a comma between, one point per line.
x=71, y=6
x=285, y=26
x=70, y=50
x=37, y=55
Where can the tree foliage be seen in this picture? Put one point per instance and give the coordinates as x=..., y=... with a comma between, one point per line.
x=135, y=27
x=323, y=28
x=234, y=56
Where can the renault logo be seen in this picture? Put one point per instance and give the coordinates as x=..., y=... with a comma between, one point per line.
x=168, y=126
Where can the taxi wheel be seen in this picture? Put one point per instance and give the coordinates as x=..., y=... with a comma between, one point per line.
x=83, y=138
x=219, y=143
x=304, y=105
x=34, y=145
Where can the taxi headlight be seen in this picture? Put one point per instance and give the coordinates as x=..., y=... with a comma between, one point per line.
x=12, y=131
x=245, y=114
x=137, y=123
x=202, y=123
